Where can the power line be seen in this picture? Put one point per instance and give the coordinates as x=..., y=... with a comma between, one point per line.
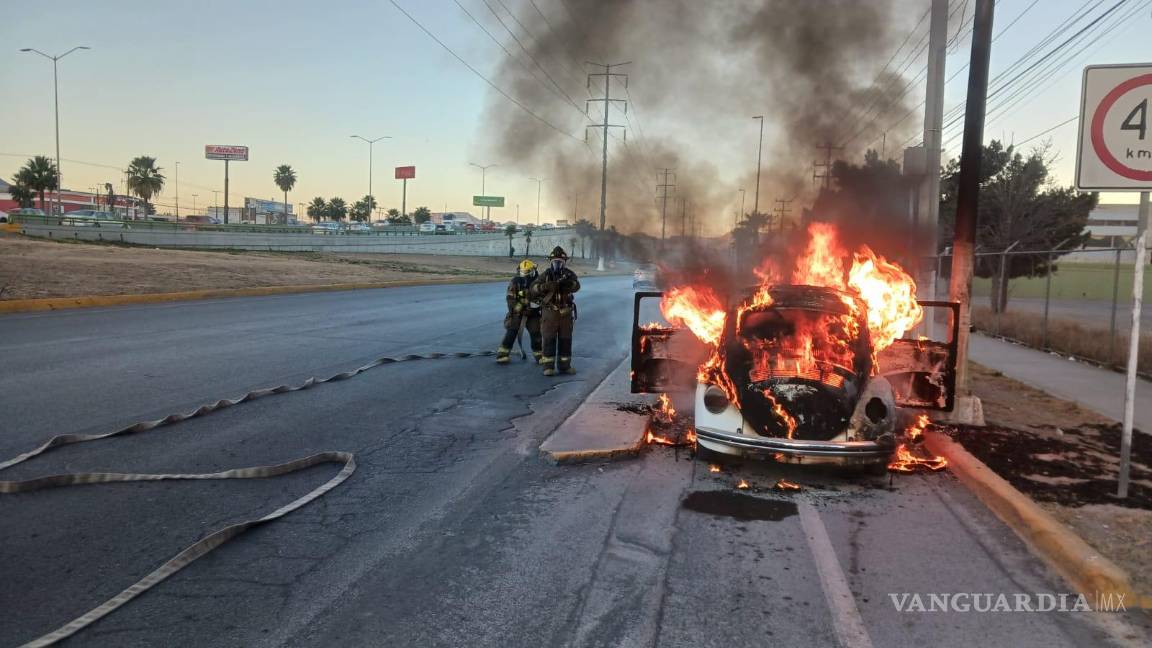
x=492, y=85
x=1049, y=130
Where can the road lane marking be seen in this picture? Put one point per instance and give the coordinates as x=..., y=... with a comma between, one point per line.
x=846, y=619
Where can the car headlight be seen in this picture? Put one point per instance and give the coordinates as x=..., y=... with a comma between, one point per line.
x=715, y=400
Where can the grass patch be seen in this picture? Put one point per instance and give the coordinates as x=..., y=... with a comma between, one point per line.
x=1065, y=337
x=1071, y=281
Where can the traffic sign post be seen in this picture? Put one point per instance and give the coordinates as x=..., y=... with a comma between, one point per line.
x=1114, y=153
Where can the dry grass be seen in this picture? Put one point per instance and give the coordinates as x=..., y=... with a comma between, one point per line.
x=1065, y=337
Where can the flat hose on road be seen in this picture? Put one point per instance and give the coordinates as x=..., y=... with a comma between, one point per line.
x=217, y=538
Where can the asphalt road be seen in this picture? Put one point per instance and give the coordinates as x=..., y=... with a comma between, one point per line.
x=452, y=532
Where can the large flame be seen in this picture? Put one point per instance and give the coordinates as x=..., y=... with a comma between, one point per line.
x=697, y=308
x=823, y=342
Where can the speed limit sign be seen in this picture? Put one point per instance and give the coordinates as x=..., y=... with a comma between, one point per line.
x=1114, y=151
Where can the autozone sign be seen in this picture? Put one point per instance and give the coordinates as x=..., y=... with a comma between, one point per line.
x=225, y=152
x=1114, y=151
x=405, y=173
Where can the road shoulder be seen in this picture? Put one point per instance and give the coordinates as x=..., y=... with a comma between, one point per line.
x=599, y=430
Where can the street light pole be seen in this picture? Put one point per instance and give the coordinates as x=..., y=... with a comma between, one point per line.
x=177, y=192
x=194, y=203
x=370, y=143
x=759, y=157
x=483, y=175
x=56, y=103
x=539, y=183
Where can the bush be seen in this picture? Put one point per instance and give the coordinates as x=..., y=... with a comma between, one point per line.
x=1064, y=337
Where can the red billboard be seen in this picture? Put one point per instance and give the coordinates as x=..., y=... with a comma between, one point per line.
x=405, y=173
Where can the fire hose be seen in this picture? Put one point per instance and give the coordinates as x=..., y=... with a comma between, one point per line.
x=196, y=550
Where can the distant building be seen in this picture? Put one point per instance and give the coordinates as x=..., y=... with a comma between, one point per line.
x=70, y=200
x=266, y=212
x=1112, y=226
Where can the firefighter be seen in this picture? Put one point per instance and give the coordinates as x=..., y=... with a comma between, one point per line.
x=523, y=313
x=554, y=290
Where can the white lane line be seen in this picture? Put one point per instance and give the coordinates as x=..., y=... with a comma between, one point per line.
x=846, y=620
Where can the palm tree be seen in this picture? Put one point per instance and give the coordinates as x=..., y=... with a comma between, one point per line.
x=316, y=208
x=336, y=209
x=584, y=229
x=39, y=175
x=510, y=231
x=145, y=180
x=285, y=178
x=421, y=215
x=22, y=195
x=527, y=243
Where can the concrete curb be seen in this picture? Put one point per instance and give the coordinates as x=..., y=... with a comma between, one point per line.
x=92, y=301
x=1083, y=567
x=598, y=430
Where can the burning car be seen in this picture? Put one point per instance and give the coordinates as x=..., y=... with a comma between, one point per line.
x=811, y=367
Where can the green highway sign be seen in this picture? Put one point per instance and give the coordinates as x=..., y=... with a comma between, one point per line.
x=488, y=201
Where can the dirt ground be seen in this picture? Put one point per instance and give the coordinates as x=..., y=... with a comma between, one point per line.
x=1066, y=459
x=33, y=268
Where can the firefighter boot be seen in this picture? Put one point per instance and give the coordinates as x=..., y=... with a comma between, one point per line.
x=539, y=357
x=564, y=363
x=502, y=355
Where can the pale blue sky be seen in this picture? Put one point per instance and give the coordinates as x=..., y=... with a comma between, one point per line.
x=293, y=80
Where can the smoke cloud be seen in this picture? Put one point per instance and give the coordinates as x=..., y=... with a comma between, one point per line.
x=700, y=69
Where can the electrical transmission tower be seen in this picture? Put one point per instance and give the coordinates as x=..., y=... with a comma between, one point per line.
x=783, y=209
x=826, y=165
x=607, y=99
x=663, y=187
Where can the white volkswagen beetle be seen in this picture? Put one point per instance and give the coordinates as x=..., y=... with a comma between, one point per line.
x=798, y=378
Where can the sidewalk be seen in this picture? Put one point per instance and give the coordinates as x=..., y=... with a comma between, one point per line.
x=1099, y=390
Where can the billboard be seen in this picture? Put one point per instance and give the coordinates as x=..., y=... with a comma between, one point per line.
x=488, y=201
x=226, y=152
x=261, y=206
x=405, y=173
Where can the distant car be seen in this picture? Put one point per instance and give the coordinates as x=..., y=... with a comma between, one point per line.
x=547, y=226
x=488, y=227
x=3, y=217
x=26, y=211
x=90, y=218
x=427, y=228
x=644, y=277
x=469, y=227
x=359, y=227
x=443, y=229
x=326, y=227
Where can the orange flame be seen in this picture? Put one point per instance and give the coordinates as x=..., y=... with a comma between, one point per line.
x=906, y=461
x=890, y=294
x=697, y=308
x=743, y=485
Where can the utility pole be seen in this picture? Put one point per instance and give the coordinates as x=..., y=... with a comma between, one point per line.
x=928, y=209
x=826, y=165
x=177, y=192
x=968, y=190
x=56, y=103
x=683, y=218
x=539, y=184
x=663, y=187
x=759, y=157
x=370, y=143
x=607, y=99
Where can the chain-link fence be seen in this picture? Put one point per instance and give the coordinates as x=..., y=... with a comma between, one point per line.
x=1081, y=308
